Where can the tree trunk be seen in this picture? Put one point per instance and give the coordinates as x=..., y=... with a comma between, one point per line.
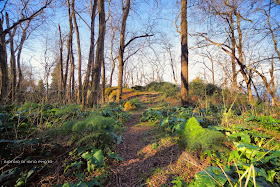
x=121, y=49
x=20, y=76
x=112, y=59
x=91, y=56
x=233, y=44
x=240, y=55
x=61, y=84
x=12, y=60
x=70, y=54
x=79, y=95
x=172, y=66
x=99, y=53
x=3, y=65
x=103, y=82
x=184, y=54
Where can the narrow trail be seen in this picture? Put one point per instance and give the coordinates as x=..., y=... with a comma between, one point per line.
x=144, y=165
x=127, y=172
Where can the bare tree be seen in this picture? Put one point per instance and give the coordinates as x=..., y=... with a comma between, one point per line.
x=3, y=51
x=99, y=53
x=184, y=54
x=91, y=54
x=80, y=87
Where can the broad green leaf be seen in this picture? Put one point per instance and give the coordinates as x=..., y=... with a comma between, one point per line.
x=203, y=179
x=115, y=156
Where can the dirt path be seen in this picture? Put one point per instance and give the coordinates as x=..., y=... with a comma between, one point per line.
x=127, y=172
x=151, y=158
x=137, y=166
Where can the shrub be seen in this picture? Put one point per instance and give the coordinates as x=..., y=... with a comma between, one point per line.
x=129, y=106
x=113, y=95
x=96, y=130
x=28, y=106
x=68, y=110
x=193, y=136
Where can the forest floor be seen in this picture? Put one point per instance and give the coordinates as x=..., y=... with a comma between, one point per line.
x=151, y=157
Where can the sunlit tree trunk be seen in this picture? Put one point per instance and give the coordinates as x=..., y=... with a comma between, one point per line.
x=79, y=94
x=126, y=9
x=184, y=54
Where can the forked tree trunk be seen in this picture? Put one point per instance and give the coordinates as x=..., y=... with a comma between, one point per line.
x=184, y=54
x=99, y=53
x=12, y=60
x=91, y=55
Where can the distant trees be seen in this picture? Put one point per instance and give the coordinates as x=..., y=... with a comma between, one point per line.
x=240, y=37
x=26, y=15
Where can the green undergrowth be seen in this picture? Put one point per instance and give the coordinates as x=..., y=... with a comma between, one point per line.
x=194, y=137
x=239, y=154
x=45, y=133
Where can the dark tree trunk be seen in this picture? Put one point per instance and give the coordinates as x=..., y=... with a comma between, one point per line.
x=3, y=65
x=12, y=60
x=91, y=55
x=99, y=53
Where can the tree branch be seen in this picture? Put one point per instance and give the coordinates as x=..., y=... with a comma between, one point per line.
x=6, y=31
x=136, y=37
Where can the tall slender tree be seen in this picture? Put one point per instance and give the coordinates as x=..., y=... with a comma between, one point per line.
x=91, y=54
x=184, y=54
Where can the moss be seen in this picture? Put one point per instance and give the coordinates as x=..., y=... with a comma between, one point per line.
x=129, y=106
x=194, y=137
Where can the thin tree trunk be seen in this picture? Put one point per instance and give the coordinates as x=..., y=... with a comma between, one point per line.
x=20, y=76
x=184, y=54
x=240, y=55
x=91, y=55
x=61, y=84
x=80, y=87
x=233, y=44
x=112, y=59
x=12, y=60
x=103, y=81
x=99, y=53
x=126, y=10
x=70, y=54
x=172, y=66
x=273, y=103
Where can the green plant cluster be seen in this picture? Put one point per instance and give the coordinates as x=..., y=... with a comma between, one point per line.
x=194, y=137
x=114, y=111
x=267, y=122
x=83, y=162
x=199, y=88
x=95, y=130
x=255, y=161
x=167, y=88
x=20, y=126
